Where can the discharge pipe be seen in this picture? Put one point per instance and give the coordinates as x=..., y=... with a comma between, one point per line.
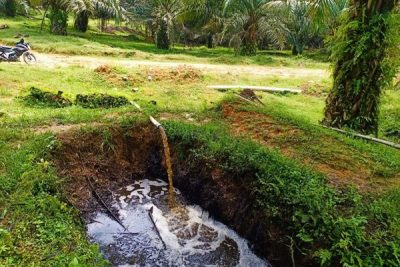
x=167, y=155
x=137, y=106
x=154, y=121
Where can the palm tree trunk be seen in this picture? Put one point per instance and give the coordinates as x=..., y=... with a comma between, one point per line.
x=10, y=8
x=210, y=40
x=294, y=50
x=162, y=36
x=44, y=17
x=58, y=21
x=102, y=25
x=249, y=40
x=82, y=21
x=358, y=74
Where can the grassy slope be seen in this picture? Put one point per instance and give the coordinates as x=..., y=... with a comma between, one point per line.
x=335, y=227
x=30, y=188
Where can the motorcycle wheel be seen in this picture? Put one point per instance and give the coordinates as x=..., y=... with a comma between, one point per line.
x=29, y=58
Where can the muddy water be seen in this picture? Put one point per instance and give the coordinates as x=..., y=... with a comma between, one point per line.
x=186, y=236
x=168, y=164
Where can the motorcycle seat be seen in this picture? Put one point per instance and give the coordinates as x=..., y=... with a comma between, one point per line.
x=5, y=48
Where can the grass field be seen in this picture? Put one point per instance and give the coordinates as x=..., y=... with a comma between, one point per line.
x=125, y=45
x=39, y=227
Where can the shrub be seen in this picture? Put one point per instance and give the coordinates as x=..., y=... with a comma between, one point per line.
x=47, y=99
x=101, y=101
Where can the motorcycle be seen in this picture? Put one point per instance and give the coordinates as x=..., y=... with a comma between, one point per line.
x=12, y=54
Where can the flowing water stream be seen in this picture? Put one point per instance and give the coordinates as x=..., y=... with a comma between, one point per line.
x=168, y=164
x=157, y=235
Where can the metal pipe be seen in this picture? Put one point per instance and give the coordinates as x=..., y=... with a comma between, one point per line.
x=155, y=122
x=136, y=105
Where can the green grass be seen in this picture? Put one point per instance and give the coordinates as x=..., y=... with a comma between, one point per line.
x=39, y=227
x=124, y=45
x=329, y=147
x=333, y=227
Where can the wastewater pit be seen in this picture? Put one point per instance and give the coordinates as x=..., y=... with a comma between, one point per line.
x=127, y=171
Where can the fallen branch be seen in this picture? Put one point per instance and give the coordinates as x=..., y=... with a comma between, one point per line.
x=155, y=227
x=376, y=140
x=245, y=99
x=255, y=88
x=101, y=201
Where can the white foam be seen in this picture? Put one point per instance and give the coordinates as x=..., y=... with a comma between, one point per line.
x=182, y=230
x=103, y=229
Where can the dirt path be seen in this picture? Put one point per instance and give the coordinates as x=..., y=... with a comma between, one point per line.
x=53, y=60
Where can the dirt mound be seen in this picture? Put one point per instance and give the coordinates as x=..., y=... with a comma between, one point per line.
x=181, y=73
x=104, y=69
x=111, y=75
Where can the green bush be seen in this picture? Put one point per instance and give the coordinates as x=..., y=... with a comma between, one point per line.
x=46, y=99
x=101, y=101
x=38, y=227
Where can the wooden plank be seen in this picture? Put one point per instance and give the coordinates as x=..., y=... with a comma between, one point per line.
x=370, y=138
x=255, y=88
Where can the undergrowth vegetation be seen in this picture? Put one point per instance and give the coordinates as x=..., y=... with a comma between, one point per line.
x=37, y=225
x=335, y=227
x=101, y=101
x=37, y=97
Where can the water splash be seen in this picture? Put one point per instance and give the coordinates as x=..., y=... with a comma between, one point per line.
x=191, y=237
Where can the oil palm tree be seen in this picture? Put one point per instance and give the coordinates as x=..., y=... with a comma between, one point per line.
x=207, y=16
x=245, y=22
x=82, y=9
x=58, y=15
x=10, y=7
x=103, y=10
x=290, y=23
x=161, y=16
x=361, y=67
x=164, y=15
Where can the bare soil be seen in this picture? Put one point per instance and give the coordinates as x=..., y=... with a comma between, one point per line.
x=54, y=60
x=343, y=166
